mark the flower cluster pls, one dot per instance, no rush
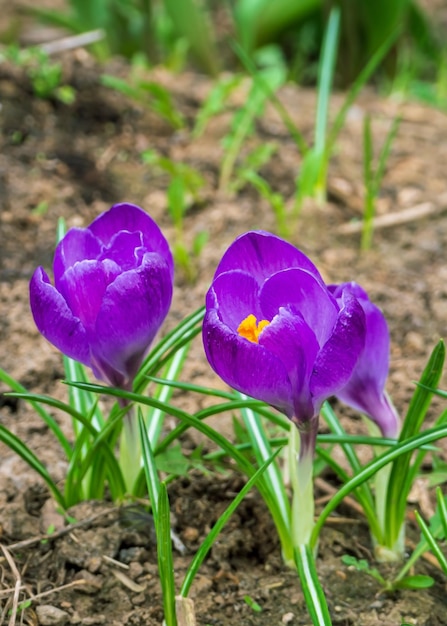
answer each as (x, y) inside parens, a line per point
(275, 331)
(112, 290)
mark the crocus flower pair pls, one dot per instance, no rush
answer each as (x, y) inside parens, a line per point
(274, 331)
(272, 328)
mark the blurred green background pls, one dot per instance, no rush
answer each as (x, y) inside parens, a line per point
(208, 35)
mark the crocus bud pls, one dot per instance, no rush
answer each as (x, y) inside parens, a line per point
(112, 290)
(365, 391)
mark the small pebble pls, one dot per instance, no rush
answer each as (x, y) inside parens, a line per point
(93, 564)
(91, 583)
(138, 599)
(49, 615)
(135, 570)
(287, 618)
(190, 534)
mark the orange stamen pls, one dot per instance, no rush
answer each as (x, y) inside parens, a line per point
(250, 328)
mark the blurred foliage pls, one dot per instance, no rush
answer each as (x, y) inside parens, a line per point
(204, 32)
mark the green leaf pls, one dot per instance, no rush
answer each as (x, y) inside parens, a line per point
(165, 560)
(431, 541)
(173, 461)
(401, 475)
(414, 443)
(311, 586)
(419, 581)
(34, 400)
(150, 468)
(218, 526)
(20, 448)
(191, 21)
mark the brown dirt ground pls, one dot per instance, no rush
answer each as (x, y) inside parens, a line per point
(80, 159)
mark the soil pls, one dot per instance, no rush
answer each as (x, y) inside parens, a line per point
(75, 161)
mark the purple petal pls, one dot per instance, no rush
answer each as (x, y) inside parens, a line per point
(261, 254)
(131, 218)
(83, 287)
(125, 249)
(132, 310)
(365, 390)
(235, 296)
(247, 367)
(301, 292)
(54, 319)
(373, 403)
(374, 362)
(79, 244)
(339, 356)
(294, 343)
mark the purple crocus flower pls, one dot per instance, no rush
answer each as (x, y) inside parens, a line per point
(112, 290)
(274, 331)
(365, 391)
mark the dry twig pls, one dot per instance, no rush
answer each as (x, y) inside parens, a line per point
(417, 212)
(17, 586)
(26, 543)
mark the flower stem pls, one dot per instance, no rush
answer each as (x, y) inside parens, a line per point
(301, 447)
(130, 450)
(312, 590)
(384, 553)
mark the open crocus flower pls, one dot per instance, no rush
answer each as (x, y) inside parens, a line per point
(365, 391)
(273, 331)
(112, 290)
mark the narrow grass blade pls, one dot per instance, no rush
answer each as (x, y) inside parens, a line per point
(100, 447)
(263, 451)
(243, 120)
(81, 401)
(312, 589)
(150, 469)
(442, 509)
(192, 421)
(154, 418)
(385, 153)
(368, 181)
(162, 352)
(165, 560)
(251, 68)
(325, 78)
(431, 541)
(363, 494)
(191, 21)
(199, 557)
(400, 475)
(438, 529)
(57, 404)
(34, 400)
(406, 447)
(262, 21)
(355, 89)
(20, 448)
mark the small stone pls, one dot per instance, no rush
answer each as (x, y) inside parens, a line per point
(49, 615)
(287, 618)
(135, 570)
(139, 599)
(91, 583)
(190, 534)
(138, 554)
(93, 564)
(378, 604)
(94, 621)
